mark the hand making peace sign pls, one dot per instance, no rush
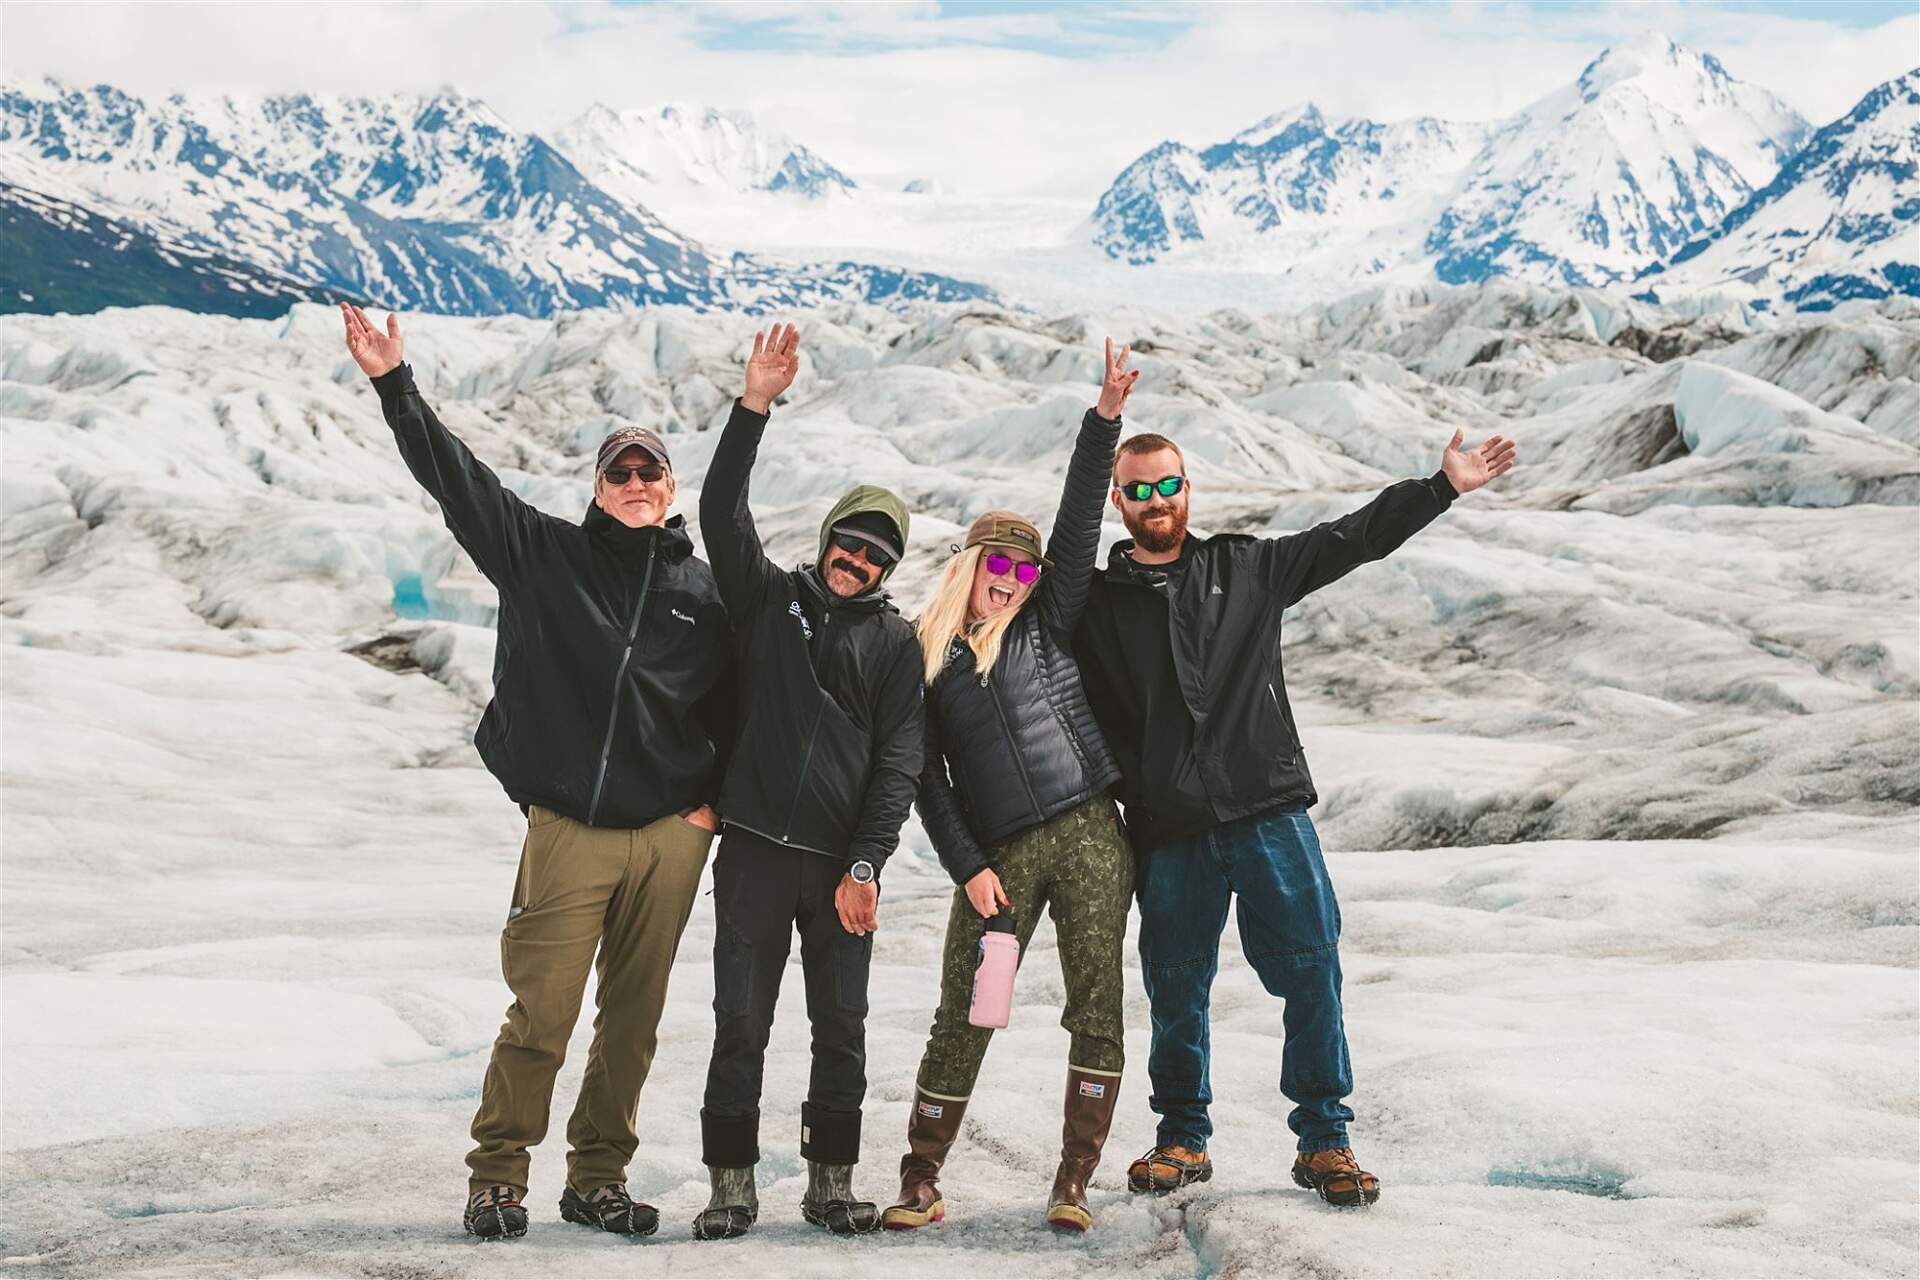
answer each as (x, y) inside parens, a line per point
(1118, 384)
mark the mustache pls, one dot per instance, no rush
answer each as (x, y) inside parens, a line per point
(862, 572)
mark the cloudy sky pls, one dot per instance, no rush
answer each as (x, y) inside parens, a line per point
(989, 98)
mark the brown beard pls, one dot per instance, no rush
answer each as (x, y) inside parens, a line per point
(1157, 539)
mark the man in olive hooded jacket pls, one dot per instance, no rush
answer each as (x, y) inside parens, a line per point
(819, 782)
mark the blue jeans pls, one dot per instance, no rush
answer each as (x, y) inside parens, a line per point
(1290, 931)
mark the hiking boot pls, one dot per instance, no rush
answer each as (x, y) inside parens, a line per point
(931, 1130)
(733, 1207)
(1336, 1176)
(610, 1209)
(1089, 1114)
(1168, 1168)
(495, 1213)
(829, 1201)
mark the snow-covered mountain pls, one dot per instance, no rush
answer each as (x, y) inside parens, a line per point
(674, 152)
(1292, 186)
(1653, 145)
(1842, 219)
(57, 256)
(433, 203)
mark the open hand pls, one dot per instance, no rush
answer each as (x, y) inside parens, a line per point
(858, 905)
(375, 352)
(1468, 470)
(987, 894)
(1118, 384)
(771, 367)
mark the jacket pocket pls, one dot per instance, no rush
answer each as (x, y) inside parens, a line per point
(1288, 747)
(833, 786)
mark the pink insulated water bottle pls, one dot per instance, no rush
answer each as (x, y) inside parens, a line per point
(993, 979)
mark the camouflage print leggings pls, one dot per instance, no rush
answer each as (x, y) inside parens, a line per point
(1081, 867)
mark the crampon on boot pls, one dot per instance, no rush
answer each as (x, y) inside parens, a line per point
(610, 1209)
(1336, 1177)
(733, 1207)
(1168, 1168)
(495, 1213)
(829, 1201)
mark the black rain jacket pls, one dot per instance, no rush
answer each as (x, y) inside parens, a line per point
(829, 689)
(611, 699)
(1182, 662)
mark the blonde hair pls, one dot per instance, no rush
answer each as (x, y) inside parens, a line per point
(946, 617)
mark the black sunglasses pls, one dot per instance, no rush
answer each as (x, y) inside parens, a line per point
(877, 556)
(648, 473)
(1141, 490)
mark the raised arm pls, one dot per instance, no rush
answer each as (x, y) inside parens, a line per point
(1302, 563)
(492, 524)
(740, 564)
(1074, 543)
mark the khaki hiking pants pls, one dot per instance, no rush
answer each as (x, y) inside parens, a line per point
(626, 894)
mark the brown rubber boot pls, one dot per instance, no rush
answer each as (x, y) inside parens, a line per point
(1090, 1099)
(931, 1130)
(1337, 1176)
(1168, 1168)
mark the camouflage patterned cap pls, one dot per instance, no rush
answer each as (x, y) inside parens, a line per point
(1007, 529)
(625, 438)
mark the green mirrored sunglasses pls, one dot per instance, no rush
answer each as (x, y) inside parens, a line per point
(1141, 490)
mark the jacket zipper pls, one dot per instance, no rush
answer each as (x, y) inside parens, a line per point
(813, 736)
(1014, 747)
(806, 758)
(1037, 639)
(619, 674)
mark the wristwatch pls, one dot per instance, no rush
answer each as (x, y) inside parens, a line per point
(862, 872)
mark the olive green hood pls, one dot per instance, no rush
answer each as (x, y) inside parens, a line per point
(859, 500)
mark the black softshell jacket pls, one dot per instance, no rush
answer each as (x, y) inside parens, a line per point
(829, 689)
(1182, 662)
(1010, 752)
(611, 691)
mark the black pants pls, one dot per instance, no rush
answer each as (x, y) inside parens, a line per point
(762, 892)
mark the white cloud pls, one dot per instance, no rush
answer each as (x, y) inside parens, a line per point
(1043, 103)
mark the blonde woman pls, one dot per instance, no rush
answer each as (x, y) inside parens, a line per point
(1014, 796)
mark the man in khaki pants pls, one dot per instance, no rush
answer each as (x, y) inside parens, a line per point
(609, 715)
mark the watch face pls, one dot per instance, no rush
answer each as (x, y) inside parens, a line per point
(862, 873)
